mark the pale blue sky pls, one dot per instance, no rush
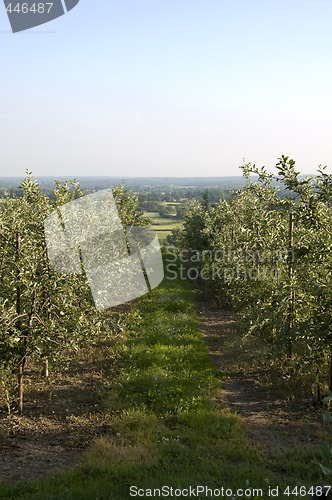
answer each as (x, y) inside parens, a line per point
(168, 87)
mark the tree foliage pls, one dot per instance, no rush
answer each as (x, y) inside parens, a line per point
(270, 257)
(43, 313)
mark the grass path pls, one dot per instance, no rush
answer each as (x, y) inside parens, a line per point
(164, 429)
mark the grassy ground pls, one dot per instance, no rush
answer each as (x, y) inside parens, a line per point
(164, 429)
(163, 225)
(162, 235)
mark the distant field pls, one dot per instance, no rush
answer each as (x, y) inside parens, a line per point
(162, 235)
(156, 220)
(166, 221)
(151, 215)
(165, 227)
(162, 225)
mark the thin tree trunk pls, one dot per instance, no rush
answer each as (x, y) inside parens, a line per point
(276, 271)
(46, 305)
(257, 252)
(290, 275)
(20, 387)
(330, 381)
(45, 371)
(19, 327)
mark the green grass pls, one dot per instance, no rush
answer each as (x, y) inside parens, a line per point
(157, 220)
(166, 222)
(162, 235)
(166, 227)
(165, 429)
(151, 215)
(163, 225)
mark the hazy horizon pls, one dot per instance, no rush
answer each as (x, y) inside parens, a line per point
(127, 176)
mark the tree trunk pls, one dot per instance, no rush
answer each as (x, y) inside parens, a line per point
(276, 271)
(19, 327)
(330, 381)
(45, 370)
(20, 387)
(290, 275)
(47, 305)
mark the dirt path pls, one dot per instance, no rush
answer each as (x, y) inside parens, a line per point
(271, 421)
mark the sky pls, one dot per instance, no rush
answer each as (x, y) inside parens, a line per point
(168, 88)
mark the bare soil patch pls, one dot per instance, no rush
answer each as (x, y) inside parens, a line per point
(61, 417)
(272, 420)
